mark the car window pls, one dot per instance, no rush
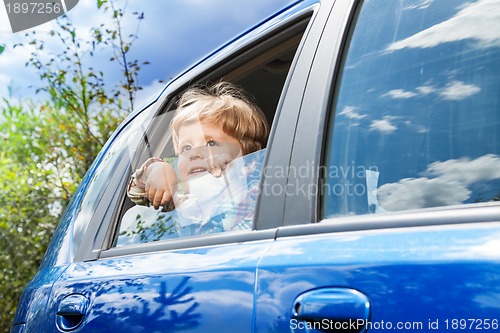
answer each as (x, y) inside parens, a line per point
(122, 150)
(415, 121)
(207, 182)
(211, 163)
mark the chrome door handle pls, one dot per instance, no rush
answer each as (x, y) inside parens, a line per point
(71, 312)
(343, 308)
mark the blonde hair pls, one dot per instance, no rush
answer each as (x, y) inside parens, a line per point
(226, 105)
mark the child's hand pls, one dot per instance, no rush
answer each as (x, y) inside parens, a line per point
(217, 164)
(160, 180)
(220, 156)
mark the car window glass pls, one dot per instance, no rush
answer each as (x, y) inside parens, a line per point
(205, 204)
(415, 120)
(214, 186)
(122, 150)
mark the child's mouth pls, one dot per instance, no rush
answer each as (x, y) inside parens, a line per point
(197, 171)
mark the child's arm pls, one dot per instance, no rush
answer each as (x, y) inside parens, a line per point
(160, 180)
(153, 183)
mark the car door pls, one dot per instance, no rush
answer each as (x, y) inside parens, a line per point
(199, 283)
(142, 281)
(208, 288)
(392, 219)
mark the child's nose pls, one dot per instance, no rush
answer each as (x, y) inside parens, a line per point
(198, 153)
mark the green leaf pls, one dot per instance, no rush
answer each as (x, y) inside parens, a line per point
(2, 48)
(100, 3)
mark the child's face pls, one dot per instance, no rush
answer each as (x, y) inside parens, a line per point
(205, 148)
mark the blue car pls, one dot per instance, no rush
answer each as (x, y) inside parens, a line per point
(379, 190)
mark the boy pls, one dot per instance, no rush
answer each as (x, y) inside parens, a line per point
(216, 186)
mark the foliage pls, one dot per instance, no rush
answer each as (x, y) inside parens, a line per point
(121, 46)
(144, 231)
(26, 200)
(47, 147)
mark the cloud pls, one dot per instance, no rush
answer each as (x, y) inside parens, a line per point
(350, 112)
(422, 5)
(4, 21)
(453, 91)
(383, 125)
(16, 79)
(416, 128)
(486, 247)
(467, 171)
(479, 21)
(449, 185)
(412, 193)
(425, 90)
(399, 94)
(5, 81)
(456, 91)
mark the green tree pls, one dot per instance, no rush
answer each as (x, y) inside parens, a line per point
(46, 147)
(26, 201)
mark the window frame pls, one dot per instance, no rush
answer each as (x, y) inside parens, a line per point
(302, 213)
(99, 235)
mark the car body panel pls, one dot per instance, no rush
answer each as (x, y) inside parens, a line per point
(180, 290)
(415, 276)
(31, 311)
(436, 269)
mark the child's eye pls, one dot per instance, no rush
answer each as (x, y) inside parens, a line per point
(185, 148)
(211, 143)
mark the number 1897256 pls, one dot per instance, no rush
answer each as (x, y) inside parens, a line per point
(33, 8)
(471, 324)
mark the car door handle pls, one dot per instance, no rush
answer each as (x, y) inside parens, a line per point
(339, 309)
(71, 312)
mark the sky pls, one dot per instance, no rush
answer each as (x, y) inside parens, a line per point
(173, 35)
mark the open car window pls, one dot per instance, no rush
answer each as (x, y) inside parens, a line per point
(210, 201)
(211, 205)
